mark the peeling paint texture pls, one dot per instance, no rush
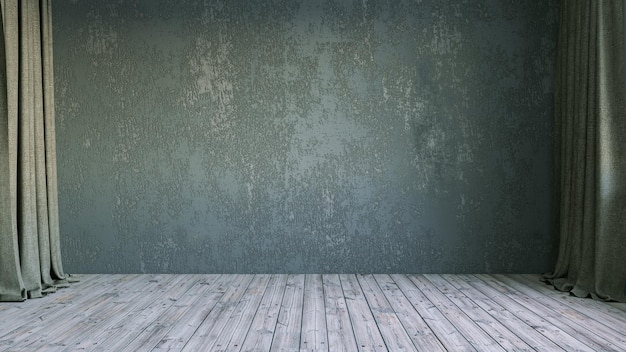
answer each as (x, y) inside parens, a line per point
(305, 136)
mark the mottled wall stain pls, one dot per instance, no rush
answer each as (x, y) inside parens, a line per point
(305, 136)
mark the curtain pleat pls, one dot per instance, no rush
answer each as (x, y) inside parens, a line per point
(590, 163)
(56, 265)
(30, 256)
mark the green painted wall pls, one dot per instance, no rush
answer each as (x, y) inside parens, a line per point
(305, 136)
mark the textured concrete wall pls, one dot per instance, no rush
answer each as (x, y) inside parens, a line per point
(305, 136)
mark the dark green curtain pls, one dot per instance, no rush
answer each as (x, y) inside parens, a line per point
(590, 150)
(30, 255)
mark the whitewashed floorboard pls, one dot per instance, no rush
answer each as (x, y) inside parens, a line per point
(418, 330)
(314, 336)
(289, 324)
(474, 333)
(364, 325)
(531, 334)
(261, 332)
(539, 316)
(329, 312)
(394, 335)
(506, 338)
(450, 337)
(340, 332)
(589, 325)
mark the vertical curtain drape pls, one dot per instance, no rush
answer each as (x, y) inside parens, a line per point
(30, 255)
(590, 150)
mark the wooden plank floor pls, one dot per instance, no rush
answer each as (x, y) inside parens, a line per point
(311, 313)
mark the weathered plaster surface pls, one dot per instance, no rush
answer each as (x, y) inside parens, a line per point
(305, 136)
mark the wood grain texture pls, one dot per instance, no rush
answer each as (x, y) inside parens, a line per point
(279, 312)
(340, 331)
(289, 324)
(418, 330)
(494, 328)
(364, 326)
(529, 333)
(536, 315)
(314, 335)
(393, 333)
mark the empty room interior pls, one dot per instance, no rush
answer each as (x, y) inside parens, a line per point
(324, 175)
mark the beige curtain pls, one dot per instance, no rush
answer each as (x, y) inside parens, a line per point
(590, 150)
(30, 256)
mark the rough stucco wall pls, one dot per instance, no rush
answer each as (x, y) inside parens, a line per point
(305, 136)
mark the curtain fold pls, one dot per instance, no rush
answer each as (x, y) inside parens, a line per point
(30, 255)
(590, 153)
